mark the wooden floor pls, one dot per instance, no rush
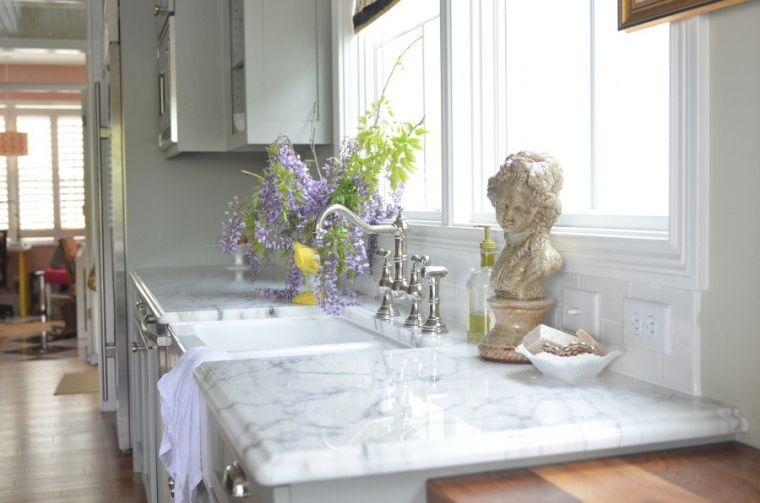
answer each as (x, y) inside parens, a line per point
(58, 448)
(723, 473)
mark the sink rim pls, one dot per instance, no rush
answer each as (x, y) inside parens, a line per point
(186, 333)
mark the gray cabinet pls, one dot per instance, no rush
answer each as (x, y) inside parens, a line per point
(224, 477)
(150, 357)
(144, 401)
(190, 79)
(235, 74)
(279, 71)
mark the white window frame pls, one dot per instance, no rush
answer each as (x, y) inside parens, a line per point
(676, 257)
(12, 111)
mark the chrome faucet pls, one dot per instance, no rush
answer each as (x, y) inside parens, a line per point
(434, 323)
(414, 291)
(387, 310)
(399, 228)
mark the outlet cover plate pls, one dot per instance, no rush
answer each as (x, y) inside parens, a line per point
(646, 325)
(580, 309)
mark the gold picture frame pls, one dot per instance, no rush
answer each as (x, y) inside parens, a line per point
(637, 14)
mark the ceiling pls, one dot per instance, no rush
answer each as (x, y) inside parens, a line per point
(43, 31)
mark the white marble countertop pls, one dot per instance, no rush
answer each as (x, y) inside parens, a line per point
(331, 416)
(205, 292)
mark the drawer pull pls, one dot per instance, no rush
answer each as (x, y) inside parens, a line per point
(234, 481)
(148, 319)
(140, 306)
(161, 11)
(137, 346)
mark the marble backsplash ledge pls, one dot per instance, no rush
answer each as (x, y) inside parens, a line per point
(678, 369)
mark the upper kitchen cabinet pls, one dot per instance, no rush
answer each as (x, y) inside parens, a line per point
(190, 77)
(279, 72)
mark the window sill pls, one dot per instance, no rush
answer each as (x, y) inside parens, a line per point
(644, 256)
(35, 241)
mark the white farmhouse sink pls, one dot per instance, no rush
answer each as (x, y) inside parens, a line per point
(257, 338)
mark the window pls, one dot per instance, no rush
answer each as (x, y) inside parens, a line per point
(414, 91)
(45, 187)
(624, 113)
(4, 206)
(551, 76)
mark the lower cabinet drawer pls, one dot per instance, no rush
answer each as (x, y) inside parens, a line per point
(223, 474)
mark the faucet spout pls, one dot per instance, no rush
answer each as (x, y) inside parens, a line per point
(399, 229)
(339, 209)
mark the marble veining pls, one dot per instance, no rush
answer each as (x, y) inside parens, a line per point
(331, 416)
(203, 293)
(435, 404)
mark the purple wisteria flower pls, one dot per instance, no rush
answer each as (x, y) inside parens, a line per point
(330, 298)
(233, 226)
(285, 205)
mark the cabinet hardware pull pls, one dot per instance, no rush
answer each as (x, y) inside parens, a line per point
(161, 95)
(234, 481)
(137, 346)
(161, 11)
(148, 319)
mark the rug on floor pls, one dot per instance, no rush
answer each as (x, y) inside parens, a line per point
(78, 382)
(12, 330)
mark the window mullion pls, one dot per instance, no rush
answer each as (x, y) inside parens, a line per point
(592, 105)
(447, 136)
(14, 222)
(56, 176)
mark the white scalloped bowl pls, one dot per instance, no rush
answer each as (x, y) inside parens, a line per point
(571, 369)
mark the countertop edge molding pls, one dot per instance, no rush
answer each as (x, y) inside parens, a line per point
(529, 445)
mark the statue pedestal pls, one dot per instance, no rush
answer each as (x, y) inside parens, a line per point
(514, 318)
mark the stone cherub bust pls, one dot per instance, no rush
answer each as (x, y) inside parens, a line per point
(525, 195)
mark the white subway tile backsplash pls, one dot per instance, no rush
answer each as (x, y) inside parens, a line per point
(645, 291)
(552, 317)
(612, 292)
(450, 306)
(639, 363)
(612, 333)
(553, 288)
(677, 372)
(555, 283)
(683, 318)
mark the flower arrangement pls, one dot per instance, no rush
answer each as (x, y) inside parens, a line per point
(289, 196)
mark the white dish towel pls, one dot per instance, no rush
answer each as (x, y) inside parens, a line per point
(181, 409)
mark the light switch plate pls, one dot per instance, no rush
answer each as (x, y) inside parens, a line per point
(646, 325)
(580, 309)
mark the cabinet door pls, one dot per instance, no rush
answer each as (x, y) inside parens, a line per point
(163, 485)
(135, 400)
(288, 70)
(150, 442)
(218, 457)
(193, 44)
(163, 88)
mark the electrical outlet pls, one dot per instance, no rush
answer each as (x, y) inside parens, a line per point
(646, 325)
(580, 309)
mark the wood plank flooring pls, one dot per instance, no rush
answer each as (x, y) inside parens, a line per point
(58, 448)
(722, 473)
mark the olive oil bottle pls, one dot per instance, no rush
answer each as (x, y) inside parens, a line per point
(479, 315)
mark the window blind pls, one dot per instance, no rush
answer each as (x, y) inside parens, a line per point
(35, 175)
(4, 194)
(70, 172)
